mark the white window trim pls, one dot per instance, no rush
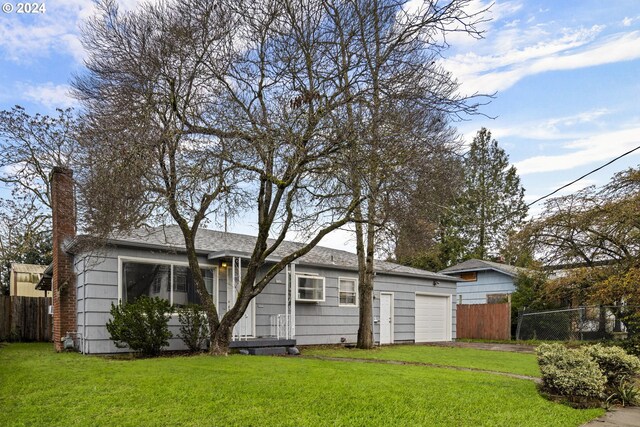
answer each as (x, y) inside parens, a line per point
(351, 279)
(311, 276)
(141, 260)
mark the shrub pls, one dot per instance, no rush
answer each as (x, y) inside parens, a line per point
(141, 325)
(614, 362)
(193, 326)
(570, 373)
(632, 345)
(625, 393)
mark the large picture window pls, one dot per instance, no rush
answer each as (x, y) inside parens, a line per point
(174, 283)
(138, 279)
(348, 291)
(310, 288)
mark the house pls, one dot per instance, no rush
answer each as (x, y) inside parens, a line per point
(23, 279)
(314, 300)
(482, 282)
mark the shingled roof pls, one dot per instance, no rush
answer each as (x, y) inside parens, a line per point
(480, 265)
(217, 243)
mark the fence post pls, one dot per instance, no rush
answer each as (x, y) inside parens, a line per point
(520, 314)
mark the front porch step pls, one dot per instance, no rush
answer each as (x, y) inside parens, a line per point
(267, 351)
(262, 342)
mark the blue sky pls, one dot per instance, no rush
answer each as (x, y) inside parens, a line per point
(566, 76)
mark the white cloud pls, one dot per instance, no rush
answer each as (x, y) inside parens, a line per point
(626, 22)
(49, 95)
(491, 73)
(517, 46)
(594, 149)
(570, 127)
(26, 38)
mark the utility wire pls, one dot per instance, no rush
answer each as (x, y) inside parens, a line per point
(564, 186)
(583, 176)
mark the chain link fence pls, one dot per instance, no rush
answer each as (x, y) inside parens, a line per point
(571, 324)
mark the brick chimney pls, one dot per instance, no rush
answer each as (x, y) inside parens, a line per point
(63, 286)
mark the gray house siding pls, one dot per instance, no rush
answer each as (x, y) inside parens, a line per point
(97, 289)
(404, 291)
(323, 322)
(326, 322)
(489, 282)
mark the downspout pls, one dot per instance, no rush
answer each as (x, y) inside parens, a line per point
(84, 305)
(294, 283)
(286, 302)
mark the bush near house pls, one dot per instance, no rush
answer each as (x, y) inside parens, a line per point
(193, 326)
(142, 325)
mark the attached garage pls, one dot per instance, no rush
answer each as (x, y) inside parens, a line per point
(432, 318)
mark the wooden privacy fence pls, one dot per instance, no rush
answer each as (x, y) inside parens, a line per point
(25, 318)
(483, 321)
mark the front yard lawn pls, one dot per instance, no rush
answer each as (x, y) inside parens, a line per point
(40, 387)
(500, 361)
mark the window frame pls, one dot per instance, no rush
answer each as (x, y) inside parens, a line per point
(355, 290)
(311, 276)
(171, 264)
(474, 275)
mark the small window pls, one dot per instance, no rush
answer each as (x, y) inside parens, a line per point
(497, 298)
(469, 276)
(348, 292)
(310, 288)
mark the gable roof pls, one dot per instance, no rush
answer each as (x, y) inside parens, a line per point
(218, 244)
(481, 265)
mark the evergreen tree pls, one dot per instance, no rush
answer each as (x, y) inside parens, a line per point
(492, 201)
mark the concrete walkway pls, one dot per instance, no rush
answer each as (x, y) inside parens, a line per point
(432, 365)
(620, 417)
(516, 348)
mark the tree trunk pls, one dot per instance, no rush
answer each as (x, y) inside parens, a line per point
(365, 290)
(365, 331)
(221, 338)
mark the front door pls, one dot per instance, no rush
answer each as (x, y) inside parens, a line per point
(386, 318)
(245, 326)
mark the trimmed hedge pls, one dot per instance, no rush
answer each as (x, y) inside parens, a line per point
(616, 365)
(570, 373)
(589, 374)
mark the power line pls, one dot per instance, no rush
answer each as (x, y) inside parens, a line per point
(583, 176)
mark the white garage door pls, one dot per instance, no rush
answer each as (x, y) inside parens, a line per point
(433, 321)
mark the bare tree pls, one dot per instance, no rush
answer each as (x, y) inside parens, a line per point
(389, 49)
(30, 146)
(194, 106)
(590, 227)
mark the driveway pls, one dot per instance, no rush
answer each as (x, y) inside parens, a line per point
(516, 348)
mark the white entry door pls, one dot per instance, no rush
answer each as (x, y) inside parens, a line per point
(386, 318)
(245, 326)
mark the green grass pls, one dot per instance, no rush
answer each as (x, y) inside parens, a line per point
(40, 387)
(500, 361)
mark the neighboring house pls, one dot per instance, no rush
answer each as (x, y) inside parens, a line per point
(481, 282)
(24, 278)
(313, 301)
